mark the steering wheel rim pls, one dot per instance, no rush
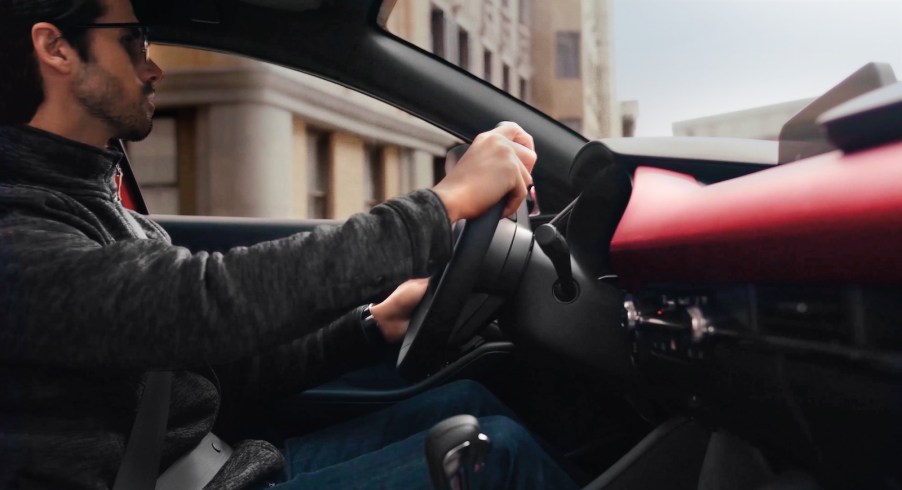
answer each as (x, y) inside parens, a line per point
(433, 320)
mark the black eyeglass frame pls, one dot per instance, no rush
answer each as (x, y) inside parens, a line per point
(144, 29)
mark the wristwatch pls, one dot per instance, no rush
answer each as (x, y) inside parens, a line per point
(371, 326)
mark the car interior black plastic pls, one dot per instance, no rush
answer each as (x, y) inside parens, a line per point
(866, 121)
(220, 234)
(801, 137)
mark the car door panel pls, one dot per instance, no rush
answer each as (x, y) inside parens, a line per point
(219, 234)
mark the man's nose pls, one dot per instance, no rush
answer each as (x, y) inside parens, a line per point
(152, 72)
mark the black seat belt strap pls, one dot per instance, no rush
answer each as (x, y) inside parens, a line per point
(141, 463)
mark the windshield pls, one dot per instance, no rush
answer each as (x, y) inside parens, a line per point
(610, 68)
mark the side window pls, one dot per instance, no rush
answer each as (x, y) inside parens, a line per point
(238, 137)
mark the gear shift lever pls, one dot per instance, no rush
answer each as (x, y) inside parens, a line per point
(455, 450)
(555, 247)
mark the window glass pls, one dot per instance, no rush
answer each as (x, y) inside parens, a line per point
(374, 175)
(438, 32)
(318, 173)
(567, 55)
(506, 78)
(463, 49)
(524, 14)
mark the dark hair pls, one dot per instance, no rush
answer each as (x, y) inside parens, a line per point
(21, 88)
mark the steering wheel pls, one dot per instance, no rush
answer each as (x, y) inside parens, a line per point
(433, 320)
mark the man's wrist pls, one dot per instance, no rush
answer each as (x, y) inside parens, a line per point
(371, 327)
(447, 200)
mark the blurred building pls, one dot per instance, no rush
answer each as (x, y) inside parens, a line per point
(490, 38)
(762, 123)
(555, 55)
(237, 137)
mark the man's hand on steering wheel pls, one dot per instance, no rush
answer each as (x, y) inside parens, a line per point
(393, 315)
(490, 180)
(496, 166)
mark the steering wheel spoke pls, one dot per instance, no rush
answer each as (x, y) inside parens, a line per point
(433, 321)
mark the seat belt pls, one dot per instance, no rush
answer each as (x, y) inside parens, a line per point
(144, 449)
(141, 462)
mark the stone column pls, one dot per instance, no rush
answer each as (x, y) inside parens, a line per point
(250, 161)
(422, 174)
(347, 192)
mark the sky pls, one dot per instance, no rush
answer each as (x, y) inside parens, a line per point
(683, 59)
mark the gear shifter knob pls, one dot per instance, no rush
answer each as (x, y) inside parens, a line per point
(455, 449)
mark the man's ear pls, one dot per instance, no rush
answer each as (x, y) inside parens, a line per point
(51, 49)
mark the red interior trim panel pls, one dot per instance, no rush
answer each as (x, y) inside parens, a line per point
(832, 218)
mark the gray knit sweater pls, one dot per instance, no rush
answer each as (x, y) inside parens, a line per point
(87, 308)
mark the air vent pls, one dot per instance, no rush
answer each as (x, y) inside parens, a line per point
(809, 313)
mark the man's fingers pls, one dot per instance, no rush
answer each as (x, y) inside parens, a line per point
(526, 156)
(526, 176)
(516, 196)
(524, 149)
(515, 133)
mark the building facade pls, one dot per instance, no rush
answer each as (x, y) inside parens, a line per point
(237, 137)
(555, 55)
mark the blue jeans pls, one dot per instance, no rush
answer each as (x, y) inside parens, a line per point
(385, 449)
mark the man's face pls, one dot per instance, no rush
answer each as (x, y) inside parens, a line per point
(116, 82)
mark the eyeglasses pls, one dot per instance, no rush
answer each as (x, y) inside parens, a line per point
(136, 42)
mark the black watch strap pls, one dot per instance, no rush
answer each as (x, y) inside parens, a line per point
(371, 327)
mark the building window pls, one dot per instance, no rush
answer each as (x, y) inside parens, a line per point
(319, 170)
(524, 89)
(438, 169)
(163, 164)
(374, 175)
(628, 127)
(438, 32)
(463, 49)
(487, 66)
(568, 55)
(525, 13)
(506, 78)
(574, 124)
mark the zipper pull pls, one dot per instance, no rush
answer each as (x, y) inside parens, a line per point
(117, 180)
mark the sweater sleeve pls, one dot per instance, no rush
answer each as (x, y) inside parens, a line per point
(67, 300)
(303, 363)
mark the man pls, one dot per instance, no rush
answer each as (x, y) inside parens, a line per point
(93, 296)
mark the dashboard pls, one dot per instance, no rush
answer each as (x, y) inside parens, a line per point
(764, 302)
